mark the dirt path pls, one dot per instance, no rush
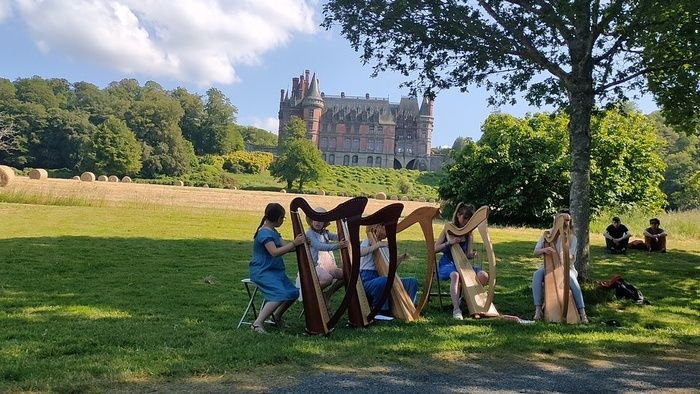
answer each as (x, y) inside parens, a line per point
(111, 194)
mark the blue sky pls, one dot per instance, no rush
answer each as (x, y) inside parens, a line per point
(249, 49)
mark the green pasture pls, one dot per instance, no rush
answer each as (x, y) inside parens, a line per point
(95, 297)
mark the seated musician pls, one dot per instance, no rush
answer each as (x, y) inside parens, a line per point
(538, 276)
(655, 237)
(323, 243)
(373, 283)
(447, 268)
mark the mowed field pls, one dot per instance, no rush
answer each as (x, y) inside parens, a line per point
(68, 192)
(132, 287)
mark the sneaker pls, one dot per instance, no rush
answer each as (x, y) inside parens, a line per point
(258, 329)
(538, 314)
(457, 315)
(583, 319)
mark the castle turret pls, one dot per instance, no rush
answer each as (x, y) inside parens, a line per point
(425, 127)
(313, 108)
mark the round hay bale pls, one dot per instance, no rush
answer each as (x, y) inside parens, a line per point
(321, 192)
(179, 183)
(380, 196)
(422, 199)
(205, 186)
(126, 179)
(282, 191)
(76, 178)
(405, 198)
(113, 178)
(38, 173)
(234, 188)
(7, 175)
(87, 176)
(393, 197)
(102, 178)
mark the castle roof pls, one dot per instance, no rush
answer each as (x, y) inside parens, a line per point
(313, 96)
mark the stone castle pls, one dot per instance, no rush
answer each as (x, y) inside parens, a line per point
(361, 131)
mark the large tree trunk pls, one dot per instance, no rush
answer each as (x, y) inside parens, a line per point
(581, 98)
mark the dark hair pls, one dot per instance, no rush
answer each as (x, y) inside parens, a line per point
(616, 219)
(564, 210)
(466, 209)
(655, 221)
(273, 213)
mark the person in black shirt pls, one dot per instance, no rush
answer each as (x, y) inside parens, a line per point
(616, 236)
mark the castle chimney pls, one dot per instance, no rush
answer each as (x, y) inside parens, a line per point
(295, 87)
(367, 96)
(342, 94)
(281, 95)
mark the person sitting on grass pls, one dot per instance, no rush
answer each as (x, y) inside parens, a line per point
(655, 237)
(374, 283)
(616, 237)
(267, 268)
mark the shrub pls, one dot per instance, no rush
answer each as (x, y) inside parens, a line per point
(242, 162)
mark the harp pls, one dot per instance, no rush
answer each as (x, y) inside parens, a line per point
(402, 306)
(479, 300)
(358, 306)
(558, 305)
(387, 216)
(318, 319)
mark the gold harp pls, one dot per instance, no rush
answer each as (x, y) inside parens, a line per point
(559, 305)
(402, 306)
(479, 301)
(318, 320)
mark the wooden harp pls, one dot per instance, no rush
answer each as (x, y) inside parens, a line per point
(402, 306)
(358, 306)
(559, 305)
(318, 320)
(387, 216)
(479, 301)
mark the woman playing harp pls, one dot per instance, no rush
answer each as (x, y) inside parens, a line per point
(551, 247)
(446, 266)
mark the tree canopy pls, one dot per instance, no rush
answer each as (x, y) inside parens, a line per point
(570, 54)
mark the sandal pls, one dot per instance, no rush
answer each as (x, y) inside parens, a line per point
(259, 329)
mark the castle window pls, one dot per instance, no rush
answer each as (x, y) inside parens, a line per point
(324, 142)
(370, 160)
(399, 149)
(354, 159)
(356, 144)
(331, 159)
(310, 125)
(379, 146)
(378, 161)
(346, 160)
(370, 145)
(371, 128)
(409, 150)
(347, 143)
(331, 142)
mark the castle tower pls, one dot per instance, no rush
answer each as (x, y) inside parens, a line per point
(313, 108)
(425, 127)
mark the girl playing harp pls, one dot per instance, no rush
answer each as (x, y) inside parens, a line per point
(538, 276)
(446, 266)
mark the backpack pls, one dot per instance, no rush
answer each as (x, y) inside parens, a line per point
(624, 290)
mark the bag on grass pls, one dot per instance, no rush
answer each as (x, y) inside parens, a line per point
(624, 290)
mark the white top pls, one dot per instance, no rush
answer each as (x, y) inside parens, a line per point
(367, 261)
(572, 250)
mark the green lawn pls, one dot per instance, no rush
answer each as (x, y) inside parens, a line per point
(93, 297)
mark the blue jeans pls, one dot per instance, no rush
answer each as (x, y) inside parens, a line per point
(374, 286)
(538, 286)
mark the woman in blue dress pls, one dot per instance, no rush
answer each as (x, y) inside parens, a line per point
(446, 265)
(267, 267)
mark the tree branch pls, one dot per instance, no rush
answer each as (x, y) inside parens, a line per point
(530, 51)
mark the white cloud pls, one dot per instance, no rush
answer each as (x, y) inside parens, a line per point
(199, 41)
(270, 124)
(5, 9)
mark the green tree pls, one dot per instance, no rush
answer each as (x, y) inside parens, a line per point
(566, 53)
(300, 161)
(63, 142)
(36, 90)
(154, 118)
(219, 132)
(193, 117)
(90, 99)
(626, 167)
(115, 149)
(294, 130)
(257, 137)
(519, 167)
